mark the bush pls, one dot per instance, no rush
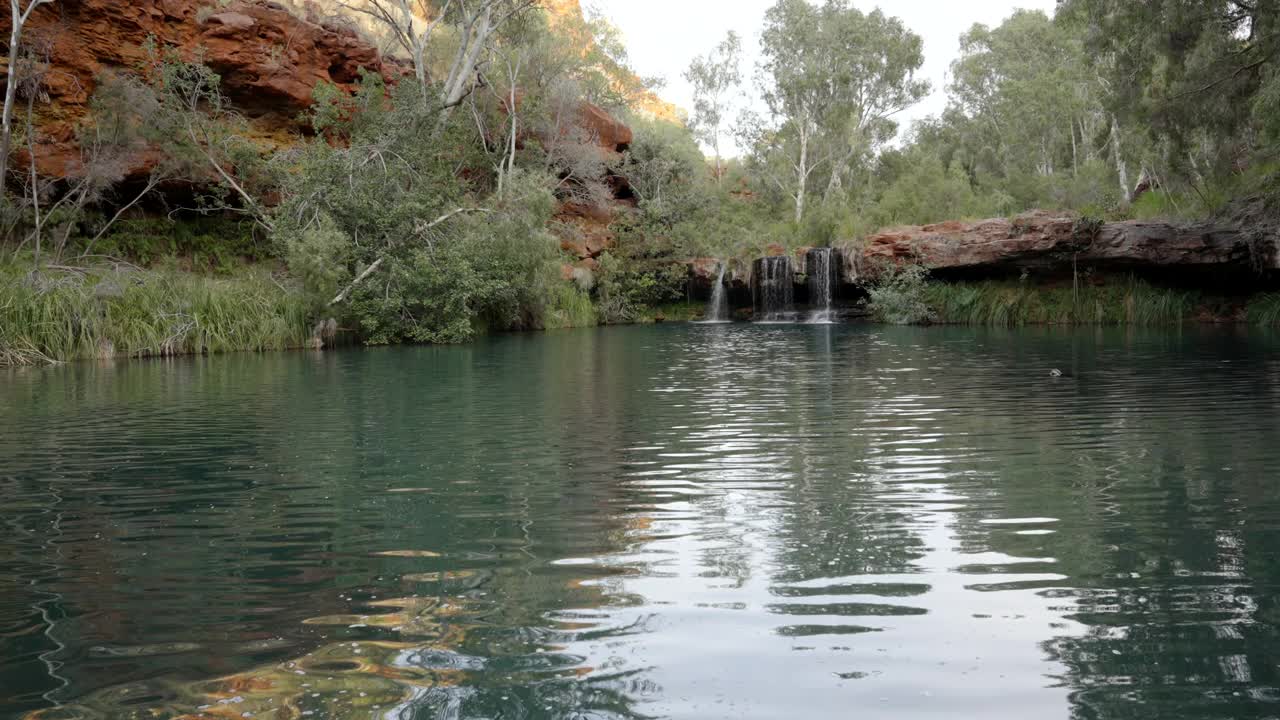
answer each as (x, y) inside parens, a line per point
(446, 266)
(898, 296)
(209, 243)
(628, 288)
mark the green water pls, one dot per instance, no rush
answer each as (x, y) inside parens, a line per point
(667, 522)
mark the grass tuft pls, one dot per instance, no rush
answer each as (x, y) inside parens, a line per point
(60, 315)
(1264, 309)
(570, 307)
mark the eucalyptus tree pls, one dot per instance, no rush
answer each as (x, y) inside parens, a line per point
(714, 76)
(795, 84)
(1201, 77)
(874, 61)
(414, 25)
(831, 78)
(1027, 86)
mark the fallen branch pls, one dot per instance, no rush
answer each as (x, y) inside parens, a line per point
(346, 292)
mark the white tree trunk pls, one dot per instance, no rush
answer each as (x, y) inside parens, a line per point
(719, 167)
(1075, 160)
(17, 18)
(802, 173)
(1122, 169)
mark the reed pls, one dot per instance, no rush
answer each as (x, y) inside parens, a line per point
(1264, 309)
(72, 314)
(569, 307)
(1010, 304)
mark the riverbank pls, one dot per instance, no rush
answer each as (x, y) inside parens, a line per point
(66, 313)
(116, 309)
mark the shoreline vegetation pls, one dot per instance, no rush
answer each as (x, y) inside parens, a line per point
(115, 309)
(162, 194)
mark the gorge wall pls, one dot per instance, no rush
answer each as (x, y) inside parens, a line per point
(1244, 243)
(270, 60)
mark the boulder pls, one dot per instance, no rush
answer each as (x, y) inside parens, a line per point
(608, 132)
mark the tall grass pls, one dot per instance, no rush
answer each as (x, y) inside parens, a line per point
(62, 315)
(1008, 304)
(1264, 309)
(569, 307)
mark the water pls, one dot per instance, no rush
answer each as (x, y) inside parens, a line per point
(822, 271)
(697, 521)
(718, 308)
(773, 289)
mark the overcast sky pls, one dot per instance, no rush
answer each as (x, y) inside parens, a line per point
(664, 35)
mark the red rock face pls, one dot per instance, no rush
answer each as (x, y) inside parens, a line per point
(1041, 240)
(609, 133)
(270, 60)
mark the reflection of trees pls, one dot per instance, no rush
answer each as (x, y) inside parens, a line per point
(476, 521)
(1163, 508)
(225, 502)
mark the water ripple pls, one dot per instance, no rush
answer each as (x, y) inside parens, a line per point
(683, 522)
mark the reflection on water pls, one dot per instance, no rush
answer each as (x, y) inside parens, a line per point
(681, 521)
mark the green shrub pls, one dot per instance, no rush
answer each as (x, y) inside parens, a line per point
(898, 296)
(628, 288)
(1264, 309)
(220, 244)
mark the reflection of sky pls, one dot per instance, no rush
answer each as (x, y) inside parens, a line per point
(683, 521)
(729, 630)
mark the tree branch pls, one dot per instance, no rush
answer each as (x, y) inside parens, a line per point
(342, 296)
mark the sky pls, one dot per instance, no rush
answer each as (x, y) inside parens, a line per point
(663, 36)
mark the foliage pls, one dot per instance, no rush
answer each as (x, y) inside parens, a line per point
(569, 307)
(713, 77)
(1264, 309)
(628, 286)
(1199, 75)
(392, 199)
(831, 78)
(208, 242)
(898, 296)
(925, 191)
(1006, 304)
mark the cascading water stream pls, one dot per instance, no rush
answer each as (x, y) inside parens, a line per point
(773, 289)
(822, 281)
(718, 308)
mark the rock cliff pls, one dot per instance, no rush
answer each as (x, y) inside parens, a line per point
(1049, 241)
(269, 59)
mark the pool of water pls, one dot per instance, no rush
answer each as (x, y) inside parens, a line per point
(689, 521)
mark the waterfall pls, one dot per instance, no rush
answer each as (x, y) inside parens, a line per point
(718, 308)
(823, 276)
(772, 289)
